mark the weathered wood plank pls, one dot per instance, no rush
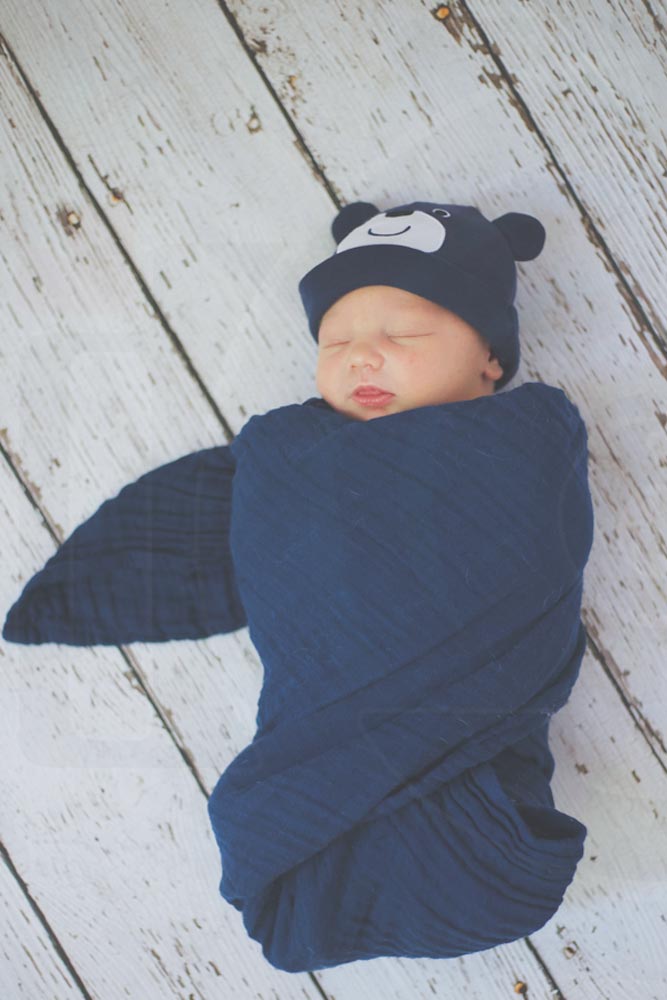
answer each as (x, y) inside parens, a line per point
(190, 159)
(594, 80)
(613, 920)
(30, 965)
(381, 98)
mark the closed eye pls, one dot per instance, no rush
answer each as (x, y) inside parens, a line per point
(398, 336)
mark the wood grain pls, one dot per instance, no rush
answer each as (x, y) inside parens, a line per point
(203, 150)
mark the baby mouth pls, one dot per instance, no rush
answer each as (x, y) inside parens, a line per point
(371, 390)
(372, 397)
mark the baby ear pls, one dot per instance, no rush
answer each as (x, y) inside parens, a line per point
(351, 216)
(525, 234)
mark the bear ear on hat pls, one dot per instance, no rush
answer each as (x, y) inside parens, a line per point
(351, 216)
(525, 234)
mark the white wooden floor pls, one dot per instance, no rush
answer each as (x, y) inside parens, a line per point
(169, 170)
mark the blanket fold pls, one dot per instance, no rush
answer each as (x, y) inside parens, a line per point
(413, 585)
(151, 564)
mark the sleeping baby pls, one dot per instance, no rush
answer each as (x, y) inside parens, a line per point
(391, 342)
(407, 551)
(382, 349)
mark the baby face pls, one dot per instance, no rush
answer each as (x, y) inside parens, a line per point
(413, 348)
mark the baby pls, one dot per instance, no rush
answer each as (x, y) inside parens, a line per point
(415, 306)
(407, 552)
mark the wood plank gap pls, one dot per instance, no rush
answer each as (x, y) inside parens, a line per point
(300, 143)
(642, 724)
(554, 989)
(62, 954)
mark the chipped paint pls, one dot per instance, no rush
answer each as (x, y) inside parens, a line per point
(253, 124)
(69, 220)
(15, 460)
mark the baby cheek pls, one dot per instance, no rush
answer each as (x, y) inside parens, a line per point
(330, 365)
(323, 374)
(414, 360)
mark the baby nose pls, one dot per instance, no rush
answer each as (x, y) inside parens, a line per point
(364, 353)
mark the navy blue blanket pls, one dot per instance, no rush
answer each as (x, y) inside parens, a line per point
(412, 584)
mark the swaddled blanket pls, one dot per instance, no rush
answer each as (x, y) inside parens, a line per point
(412, 584)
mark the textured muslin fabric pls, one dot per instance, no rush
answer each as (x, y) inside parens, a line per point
(412, 584)
(151, 564)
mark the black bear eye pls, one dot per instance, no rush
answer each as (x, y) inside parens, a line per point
(442, 211)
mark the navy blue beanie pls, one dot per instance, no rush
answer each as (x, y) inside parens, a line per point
(449, 254)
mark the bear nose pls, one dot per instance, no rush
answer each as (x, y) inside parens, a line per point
(393, 212)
